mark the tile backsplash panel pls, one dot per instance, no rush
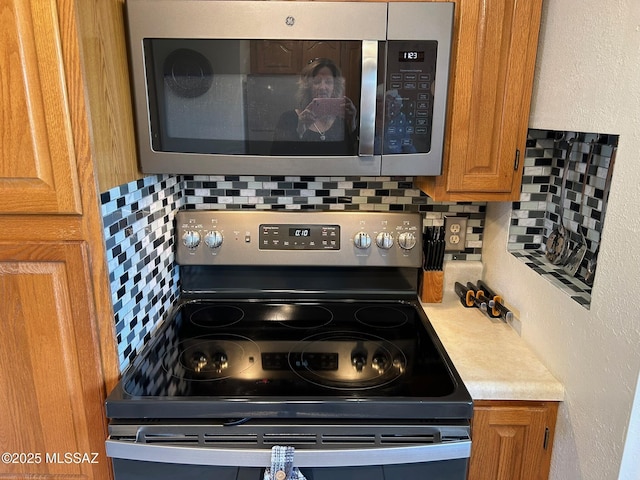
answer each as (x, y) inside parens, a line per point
(138, 228)
(543, 204)
(138, 225)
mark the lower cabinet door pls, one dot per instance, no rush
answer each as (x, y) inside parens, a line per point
(512, 440)
(52, 422)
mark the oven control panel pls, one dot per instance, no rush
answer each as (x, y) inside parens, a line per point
(299, 237)
(340, 238)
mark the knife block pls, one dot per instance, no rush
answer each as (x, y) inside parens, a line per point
(431, 287)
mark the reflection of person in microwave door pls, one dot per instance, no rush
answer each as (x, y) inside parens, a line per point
(324, 121)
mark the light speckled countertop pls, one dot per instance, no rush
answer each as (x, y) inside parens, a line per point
(492, 359)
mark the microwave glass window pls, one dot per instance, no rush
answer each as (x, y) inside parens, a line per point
(254, 97)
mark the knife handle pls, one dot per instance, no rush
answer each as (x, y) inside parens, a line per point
(492, 311)
(466, 296)
(505, 313)
(497, 303)
(486, 302)
(481, 300)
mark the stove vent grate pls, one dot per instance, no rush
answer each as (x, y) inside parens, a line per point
(292, 439)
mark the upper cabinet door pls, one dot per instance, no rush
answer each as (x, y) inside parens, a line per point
(495, 44)
(494, 50)
(37, 166)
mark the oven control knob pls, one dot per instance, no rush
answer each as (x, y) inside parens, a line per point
(362, 240)
(191, 239)
(359, 361)
(384, 240)
(219, 361)
(380, 362)
(407, 240)
(213, 239)
(400, 364)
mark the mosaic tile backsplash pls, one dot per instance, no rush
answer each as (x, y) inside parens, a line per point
(589, 160)
(138, 229)
(138, 224)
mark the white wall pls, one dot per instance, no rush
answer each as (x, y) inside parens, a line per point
(587, 79)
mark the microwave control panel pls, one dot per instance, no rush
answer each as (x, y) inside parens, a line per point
(411, 71)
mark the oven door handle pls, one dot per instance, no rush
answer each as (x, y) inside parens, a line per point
(233, 457)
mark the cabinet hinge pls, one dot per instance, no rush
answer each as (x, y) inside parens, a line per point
(516, 162)
(545, 444)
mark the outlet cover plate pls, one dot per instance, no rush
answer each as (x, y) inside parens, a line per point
(455, 233)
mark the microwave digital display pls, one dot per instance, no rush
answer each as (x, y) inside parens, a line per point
(411, 56)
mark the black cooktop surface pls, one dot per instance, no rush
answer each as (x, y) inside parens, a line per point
(291, 358)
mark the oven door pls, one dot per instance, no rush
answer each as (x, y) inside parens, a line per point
(345, 452)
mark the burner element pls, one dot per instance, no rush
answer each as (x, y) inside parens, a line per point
(381, 317)
(296, 315)
(217, 316)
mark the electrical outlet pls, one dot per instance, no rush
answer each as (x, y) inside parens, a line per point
(455, 233)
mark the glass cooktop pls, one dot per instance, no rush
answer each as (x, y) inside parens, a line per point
(306, 355)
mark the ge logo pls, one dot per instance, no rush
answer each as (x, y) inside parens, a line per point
(290, 21)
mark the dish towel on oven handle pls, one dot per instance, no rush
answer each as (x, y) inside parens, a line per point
(282, 465)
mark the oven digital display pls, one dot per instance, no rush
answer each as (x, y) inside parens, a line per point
(299, 232)
(299, 237)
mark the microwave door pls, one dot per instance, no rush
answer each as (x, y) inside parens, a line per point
(242, 120)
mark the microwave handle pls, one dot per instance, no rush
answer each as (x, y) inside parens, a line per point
(368, 92)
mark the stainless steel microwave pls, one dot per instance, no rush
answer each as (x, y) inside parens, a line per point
(290, 87)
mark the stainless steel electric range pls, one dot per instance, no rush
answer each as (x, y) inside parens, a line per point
(300, 330)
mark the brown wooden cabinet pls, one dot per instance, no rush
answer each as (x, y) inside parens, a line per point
(494, 52)
(57, 349)
(512, 440)
(37, 173)
(51, 381)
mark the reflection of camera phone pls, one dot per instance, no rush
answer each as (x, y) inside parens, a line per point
(322, 107)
